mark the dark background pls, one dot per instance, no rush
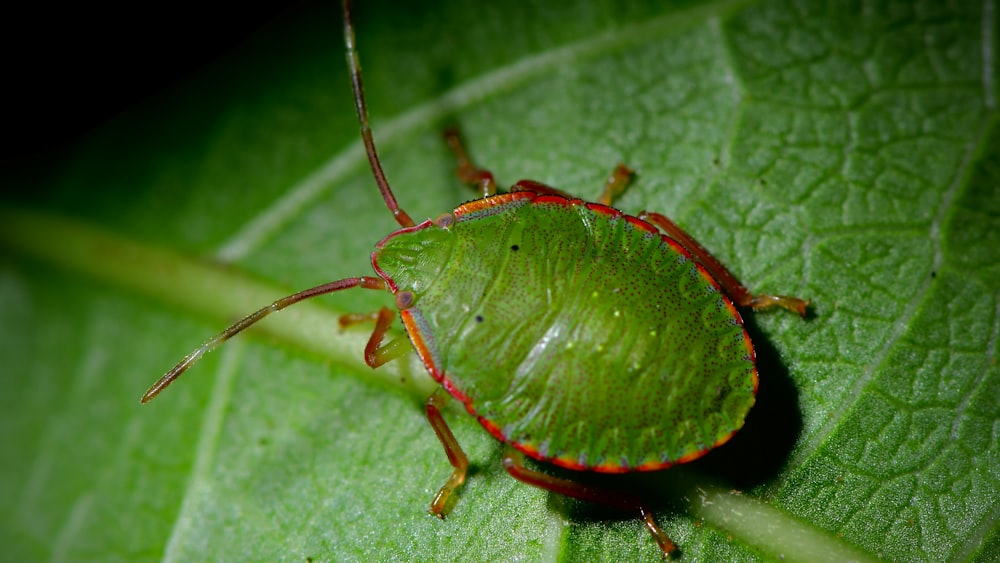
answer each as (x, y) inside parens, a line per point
(69, 67)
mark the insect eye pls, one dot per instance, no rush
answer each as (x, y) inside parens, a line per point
(445, 220)
(404, 299)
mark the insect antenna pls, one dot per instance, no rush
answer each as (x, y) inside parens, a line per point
(366, 132)
(249, 320)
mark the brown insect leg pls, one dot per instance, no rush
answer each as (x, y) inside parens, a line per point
(737, 291)
(351, 319)
(466, 170)
(538, 188)
(482, 179)
(440, 506)
(615, 184)
(377, 354)
(513, 462)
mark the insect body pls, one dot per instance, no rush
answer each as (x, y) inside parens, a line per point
(618, 352)
(576, 334)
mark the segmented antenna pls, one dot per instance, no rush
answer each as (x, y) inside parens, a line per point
(366, 282)
(366, 131)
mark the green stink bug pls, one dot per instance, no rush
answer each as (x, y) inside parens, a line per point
(576, 334)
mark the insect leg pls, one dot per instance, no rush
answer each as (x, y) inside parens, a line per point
(377, 354)
(538, 188)
(513, 462)
(466, 170)
(440, 506)
(615, 184)
(351, 319)
(737, 291)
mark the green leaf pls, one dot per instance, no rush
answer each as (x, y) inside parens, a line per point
(849, 154)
